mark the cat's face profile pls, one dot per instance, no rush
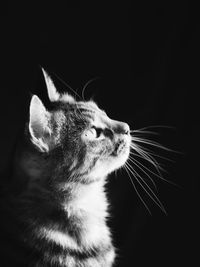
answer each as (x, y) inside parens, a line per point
(88, 142)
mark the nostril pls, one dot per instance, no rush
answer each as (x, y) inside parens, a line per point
(122, 128)
(125, 128)
(126, 132)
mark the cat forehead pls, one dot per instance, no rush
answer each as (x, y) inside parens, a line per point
(93, 114)
(87, 110)
(89, 107)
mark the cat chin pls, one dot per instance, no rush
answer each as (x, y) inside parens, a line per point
(117, 162)
(105, 167)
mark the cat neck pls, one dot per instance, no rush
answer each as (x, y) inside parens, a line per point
(75, 195)
(85, 198)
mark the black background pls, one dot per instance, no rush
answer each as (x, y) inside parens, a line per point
(144, 59)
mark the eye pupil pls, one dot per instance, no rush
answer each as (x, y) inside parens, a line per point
(106, 132)
(98, 131)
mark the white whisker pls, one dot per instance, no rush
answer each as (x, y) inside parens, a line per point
(151, 143)
(151, 154)
(159, 175)
(143, 132)
(151, 194)
(142, 157)
(142, 147)
(67, 85)
(148, 157)
(156, 126)
(86, 85)
(137, 164)
(127, 170)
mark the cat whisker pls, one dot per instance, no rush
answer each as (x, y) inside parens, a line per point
(67, 85)
(137, 165)
(167, 159)
(85, 86)
(147, 158)
(143, 132)
(157, 126)
(158, 156)
(150, 193)
(155, 174)
(145, 155)
(151, 154)
(137, 192)
(131, 158)
(151, 143)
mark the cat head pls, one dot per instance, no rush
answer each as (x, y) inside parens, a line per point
(84, 141)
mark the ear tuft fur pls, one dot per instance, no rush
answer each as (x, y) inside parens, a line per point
(51, 89)
(53, 93)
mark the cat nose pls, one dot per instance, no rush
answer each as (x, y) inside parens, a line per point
(122, 128)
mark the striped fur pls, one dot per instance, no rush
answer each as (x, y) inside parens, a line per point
(61, 168)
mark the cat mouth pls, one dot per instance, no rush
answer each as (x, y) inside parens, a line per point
(120, 148)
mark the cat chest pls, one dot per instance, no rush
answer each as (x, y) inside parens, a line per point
(90, 244)
(77, 233)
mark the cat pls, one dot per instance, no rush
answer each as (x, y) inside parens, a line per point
(57, 213)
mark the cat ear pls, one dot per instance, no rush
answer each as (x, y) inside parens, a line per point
(51, 89)
(39, 124)
(53, 93)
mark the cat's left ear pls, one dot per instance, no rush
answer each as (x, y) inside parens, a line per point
(53, 94)
(51, 89)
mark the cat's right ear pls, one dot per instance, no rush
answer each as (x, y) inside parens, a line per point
(39, 124)
(51, 89)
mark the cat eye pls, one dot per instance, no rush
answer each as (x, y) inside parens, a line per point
(94, 133)
(97, 131)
